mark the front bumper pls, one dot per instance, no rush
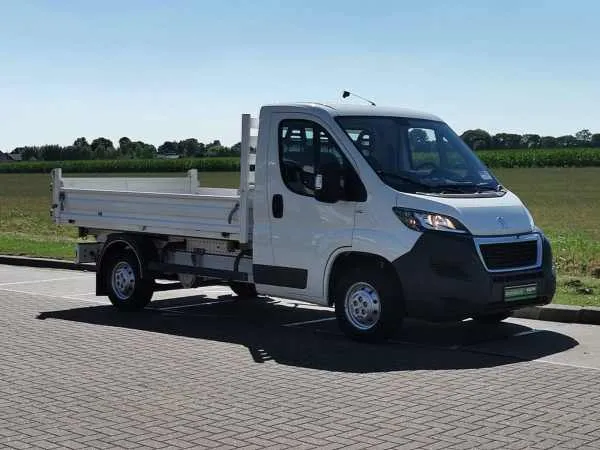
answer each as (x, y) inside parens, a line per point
(443, 278)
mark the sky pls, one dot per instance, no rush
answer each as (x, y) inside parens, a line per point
(157, 70)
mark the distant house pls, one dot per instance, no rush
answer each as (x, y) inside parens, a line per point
(168, 156)
(10, 157)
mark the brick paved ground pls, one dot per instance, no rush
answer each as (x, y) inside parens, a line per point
(80, 375)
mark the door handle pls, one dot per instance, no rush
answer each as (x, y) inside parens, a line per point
(277, 206)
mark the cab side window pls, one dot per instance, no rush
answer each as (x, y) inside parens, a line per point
(297, 155)
(305, 146)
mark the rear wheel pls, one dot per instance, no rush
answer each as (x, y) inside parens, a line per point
(243, 290)
(127, 289)
(368, 304)
(491, 318)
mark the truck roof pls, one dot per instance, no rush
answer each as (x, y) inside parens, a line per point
(353, 110)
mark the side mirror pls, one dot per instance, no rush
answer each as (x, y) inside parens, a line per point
(328, 185)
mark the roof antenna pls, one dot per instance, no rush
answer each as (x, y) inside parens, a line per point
(347, 94)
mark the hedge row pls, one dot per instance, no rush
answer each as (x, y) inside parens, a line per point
(574, 157)
(214, 164)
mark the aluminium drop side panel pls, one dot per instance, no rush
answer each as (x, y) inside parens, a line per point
(190, 215)
(172, 185)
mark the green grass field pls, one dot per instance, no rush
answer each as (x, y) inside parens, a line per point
(565, 203)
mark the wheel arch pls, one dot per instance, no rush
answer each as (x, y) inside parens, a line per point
(142, 248)
(348, 259)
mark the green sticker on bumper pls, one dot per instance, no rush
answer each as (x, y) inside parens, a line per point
(516, 293)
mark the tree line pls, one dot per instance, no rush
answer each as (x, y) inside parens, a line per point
(479, 139)
(103, 148)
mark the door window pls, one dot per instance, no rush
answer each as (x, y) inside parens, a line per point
(303, 147)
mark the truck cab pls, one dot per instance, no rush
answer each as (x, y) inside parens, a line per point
(381, 213)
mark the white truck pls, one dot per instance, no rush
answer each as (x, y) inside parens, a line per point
(382, 213)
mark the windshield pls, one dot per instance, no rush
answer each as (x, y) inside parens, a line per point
(415, 155)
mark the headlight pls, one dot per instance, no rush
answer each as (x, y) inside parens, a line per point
(531, 221)
(423, 220)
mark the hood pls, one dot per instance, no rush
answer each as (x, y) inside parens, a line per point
(483, 216)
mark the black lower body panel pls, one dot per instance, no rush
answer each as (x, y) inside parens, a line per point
(280, 276)
(443, 278)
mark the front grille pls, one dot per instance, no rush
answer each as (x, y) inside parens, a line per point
(533, 275)
(509, 255)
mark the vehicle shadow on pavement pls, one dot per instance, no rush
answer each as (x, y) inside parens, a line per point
(275, 331)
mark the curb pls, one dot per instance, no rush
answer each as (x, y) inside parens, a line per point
(561, 313)
(552, 313)
(24, 261)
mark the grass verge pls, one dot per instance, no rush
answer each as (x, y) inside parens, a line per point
(23, 245)
(580, 291)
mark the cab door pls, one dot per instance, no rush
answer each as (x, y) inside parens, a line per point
(304, 231)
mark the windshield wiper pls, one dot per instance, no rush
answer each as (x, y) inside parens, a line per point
(457, 187)
(452, 188)
(478, 187)
(487, 187)
(404, 178)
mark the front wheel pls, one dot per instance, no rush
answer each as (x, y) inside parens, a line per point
(368, 304)
(127, 289)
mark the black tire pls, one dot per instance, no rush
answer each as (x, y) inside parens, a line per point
(378, 289)
(120, 270)
(491, 318)
(243, 290)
